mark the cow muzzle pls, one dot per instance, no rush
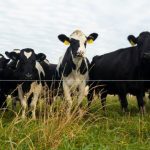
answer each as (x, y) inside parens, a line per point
(80, 54)
(28, 76)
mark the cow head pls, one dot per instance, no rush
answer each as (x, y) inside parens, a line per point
(28, 64)
(3, 62)
(143, 44)
(77, 42)
(12, 64)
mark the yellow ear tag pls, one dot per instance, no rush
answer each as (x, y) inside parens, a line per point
(90, 41)
(132, 43)
(66, 42)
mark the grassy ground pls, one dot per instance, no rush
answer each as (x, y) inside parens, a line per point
(92, 131)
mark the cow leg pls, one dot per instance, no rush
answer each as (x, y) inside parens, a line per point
(33, 105)
(68, 98)
(124, 102)
(141, 103)
(103, 100)
(23, 101)
(36, 93)
(82, 89)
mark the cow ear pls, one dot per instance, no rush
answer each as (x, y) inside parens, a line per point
(132, 39)
(7, 54)
(91, 38)
(63, 38)
(40, 57)
(12, 55)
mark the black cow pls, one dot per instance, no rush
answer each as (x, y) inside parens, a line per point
(3, 65)
(120, 72)
(10, 85)
(73, 67)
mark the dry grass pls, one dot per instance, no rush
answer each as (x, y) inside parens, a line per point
(86, 129)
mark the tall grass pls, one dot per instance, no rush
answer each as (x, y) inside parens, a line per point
(89, 130)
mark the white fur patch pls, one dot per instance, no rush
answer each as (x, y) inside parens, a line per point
(47, 62)
(40, 69)
(86, 64)
(59, 63)
(1, 56)
(28, 54)
(78, 35)
(75, 79)
(86, 91)
(16, 51)
(17, 63)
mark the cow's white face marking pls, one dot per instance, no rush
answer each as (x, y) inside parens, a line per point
(40, 69)
(79, 35)
(28, 54)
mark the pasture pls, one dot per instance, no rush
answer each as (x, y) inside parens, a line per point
(91, 131)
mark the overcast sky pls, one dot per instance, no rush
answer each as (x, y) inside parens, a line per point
(37, 23)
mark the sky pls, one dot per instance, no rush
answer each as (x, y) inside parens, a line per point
(37, 23)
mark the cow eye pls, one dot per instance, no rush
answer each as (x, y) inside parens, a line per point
(73, 41)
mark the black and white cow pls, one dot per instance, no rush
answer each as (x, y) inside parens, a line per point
(119, 72)
(29, 74)
(74, 66)
(50, 75)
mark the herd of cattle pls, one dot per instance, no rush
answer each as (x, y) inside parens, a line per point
(25, 73)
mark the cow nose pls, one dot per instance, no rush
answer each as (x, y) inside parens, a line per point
(80, 54)
(28, 76)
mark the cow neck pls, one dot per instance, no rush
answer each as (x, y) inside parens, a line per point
(76, 61)
(81, 64)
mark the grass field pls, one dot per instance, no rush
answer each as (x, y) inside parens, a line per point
(92, 131)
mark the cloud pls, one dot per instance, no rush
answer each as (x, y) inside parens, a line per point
(37, 24)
